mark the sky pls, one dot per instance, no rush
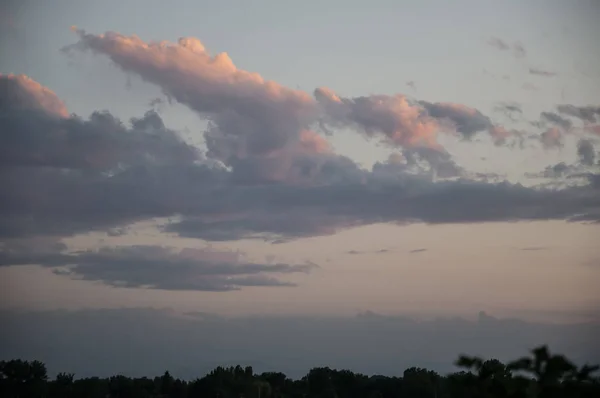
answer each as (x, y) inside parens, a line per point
(282, 161)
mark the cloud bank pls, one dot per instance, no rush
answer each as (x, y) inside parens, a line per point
(191, 345)
(268, 171)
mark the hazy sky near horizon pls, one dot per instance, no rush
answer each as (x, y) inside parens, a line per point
(421, 158)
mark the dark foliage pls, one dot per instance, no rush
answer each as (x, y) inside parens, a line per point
(540, 375)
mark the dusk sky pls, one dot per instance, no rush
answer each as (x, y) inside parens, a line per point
(301, 159)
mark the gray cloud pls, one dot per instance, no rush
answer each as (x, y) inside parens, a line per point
(153, 267)
(586, 152)
(197, 343)
(440, 162)
(534, 248)
(529, 87)
(518, 49)
(556, 119)
(541, 72)
(418, 251)
(467, 121)
(511, 110)
(380, 251)
(46, 200)
(498, 43)
(552, 138)
(99, 174)
(585, 113)
(100, 144)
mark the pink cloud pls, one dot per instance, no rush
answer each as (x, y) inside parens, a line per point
(250, 116)
(595, 129)
(402, 122)
(552, 138)
(22, 92)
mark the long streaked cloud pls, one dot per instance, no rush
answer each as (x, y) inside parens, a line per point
(590, 114)
(153, 267)
(541, 72)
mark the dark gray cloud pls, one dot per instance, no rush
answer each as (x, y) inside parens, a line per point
(439, 161)
(191, 345)
(589, 114)
(153, 267)
(541, 72)
(558, 170)
(100, 144)
(556, 119)
(586, 152)
(62, 175)
(511, 110)
(418, 251)
(98, 174)
(468, 121)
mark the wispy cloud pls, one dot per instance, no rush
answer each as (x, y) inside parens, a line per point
(541, 72)
(153, 267)
(517, 48)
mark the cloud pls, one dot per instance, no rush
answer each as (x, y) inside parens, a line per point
(510, 110)
(556, 119)
(280, 179)
(552, 138)
(529, 87)
(518, 49)
(197, 343)
(356, 252)
(589, 114)
(498, 43)
(101, 143)
(440, 162)
(541, 72)
(467, 121)
(417, 251)
(21, 93)
(153, 267)
(249, 116)
(586, 152)
(153, 174)
(401, 121)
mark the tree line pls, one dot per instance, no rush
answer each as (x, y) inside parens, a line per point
(538, 375)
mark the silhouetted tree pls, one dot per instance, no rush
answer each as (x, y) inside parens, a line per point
(539, 375)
